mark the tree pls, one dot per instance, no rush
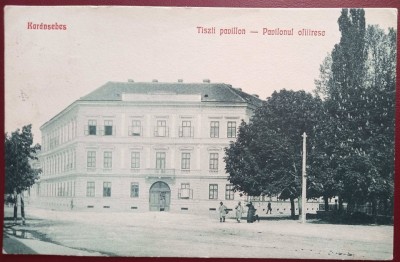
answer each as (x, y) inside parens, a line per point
(379, 111)
(19, 175)
(357, 81)
(266, 157)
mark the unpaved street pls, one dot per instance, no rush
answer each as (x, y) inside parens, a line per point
(176, 235)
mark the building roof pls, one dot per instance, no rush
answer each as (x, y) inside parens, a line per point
(210, 92)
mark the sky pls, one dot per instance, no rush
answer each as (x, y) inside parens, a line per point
(47, 70)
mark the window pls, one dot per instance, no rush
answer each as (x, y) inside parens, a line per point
(107, 189)
(134, 190)
(231, 129)
(213, 191)
(186, 129)
(185, 192)
(214, 129)
(185, 185)
(136, 128)
(91, 159)
(229, 192)
(161, 129)
(214, 162)
(90, 189)
(92, 126)
(160, 160)
(135, 160)
(185, 162)
(108, 127)
(107, 159)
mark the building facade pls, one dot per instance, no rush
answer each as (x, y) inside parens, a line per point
(143, 147)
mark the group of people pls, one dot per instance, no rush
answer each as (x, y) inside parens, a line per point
(251, 212)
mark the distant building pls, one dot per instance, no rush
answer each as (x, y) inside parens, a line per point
(143, 147)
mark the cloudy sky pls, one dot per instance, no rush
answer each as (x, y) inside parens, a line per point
(46, 70)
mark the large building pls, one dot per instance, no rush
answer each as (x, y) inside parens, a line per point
(143, 147)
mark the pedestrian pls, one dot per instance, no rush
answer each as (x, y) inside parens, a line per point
(250, 212)
(269, 208)
(239, 211)
(222, 212)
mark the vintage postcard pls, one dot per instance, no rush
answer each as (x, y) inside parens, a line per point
(199, 132)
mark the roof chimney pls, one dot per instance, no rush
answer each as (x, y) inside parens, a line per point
(206, 80)
(130, 80)
(180, 80)
(256, 95)
(155, 80)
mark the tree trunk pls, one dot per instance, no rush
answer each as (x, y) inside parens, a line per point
(340, 200)
(374, 204)
(350, 206)
(326, 204)
(15, 207)
(22, 208)
(386, 208)
(299, 205)
(292, 213)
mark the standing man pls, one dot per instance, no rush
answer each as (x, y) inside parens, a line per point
(269, 208)
(239, 211)
(222, 212)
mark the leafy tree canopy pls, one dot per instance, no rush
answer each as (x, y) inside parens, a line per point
(19, 153)
(266, 158)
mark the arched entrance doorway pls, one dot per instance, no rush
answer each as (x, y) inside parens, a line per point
(160, 196)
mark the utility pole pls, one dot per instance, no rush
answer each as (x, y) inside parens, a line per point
(304, 182)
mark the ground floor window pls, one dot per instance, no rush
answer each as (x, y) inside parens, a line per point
(185, 185)
(90, 189)
(134, 190)
(107, 189)
(229, 192)
(213, 191)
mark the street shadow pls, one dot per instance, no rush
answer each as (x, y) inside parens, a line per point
(278, 218)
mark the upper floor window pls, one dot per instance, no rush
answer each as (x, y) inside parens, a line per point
(108, 127)
(107, 159)
(214, 129)
(161, 129)
(92, 127)
(91, 159)
(186, 130)
(231, 130)
(136, 128)
(135, 160)
(213, 162)
(160, 160)
(185, 161)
